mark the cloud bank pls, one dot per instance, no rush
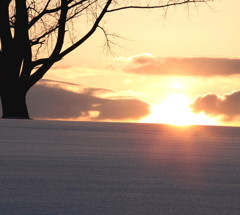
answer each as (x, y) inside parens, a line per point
(53, 102)
(227, 106)
(151, 65)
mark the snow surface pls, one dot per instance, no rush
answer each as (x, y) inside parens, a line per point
(93, 168)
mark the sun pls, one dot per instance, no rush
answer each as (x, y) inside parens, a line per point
(175, 110)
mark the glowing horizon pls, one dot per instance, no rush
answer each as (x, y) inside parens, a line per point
(175, 110)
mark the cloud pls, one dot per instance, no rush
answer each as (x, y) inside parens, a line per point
(152, 65)
(52, 102)
(227, 106)
(119, 109)
(47, 81)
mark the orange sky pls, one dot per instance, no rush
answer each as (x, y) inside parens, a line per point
(166, 63)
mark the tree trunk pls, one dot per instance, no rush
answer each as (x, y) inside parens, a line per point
(14, 103)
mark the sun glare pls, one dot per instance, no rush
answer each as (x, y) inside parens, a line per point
(176, 85)
(175, 110)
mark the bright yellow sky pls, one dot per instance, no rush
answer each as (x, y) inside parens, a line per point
(201, 32)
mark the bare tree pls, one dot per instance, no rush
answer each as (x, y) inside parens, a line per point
(35, 34)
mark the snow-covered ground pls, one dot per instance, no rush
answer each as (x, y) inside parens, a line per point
(88, 168)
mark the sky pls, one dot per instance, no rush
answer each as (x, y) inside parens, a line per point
(180, 66)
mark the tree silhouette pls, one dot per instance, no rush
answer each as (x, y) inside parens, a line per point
(35, 34)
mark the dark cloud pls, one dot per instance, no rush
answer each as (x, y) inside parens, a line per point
(51, 102)
(121, 109)
(151, 65)
(227, 106)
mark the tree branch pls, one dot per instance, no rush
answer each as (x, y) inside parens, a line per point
(168, 4)
(61, 29)
(89, 33)
(21, 40)
(60, 39)
(5, 31)
(40, 15)
(53, 10)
